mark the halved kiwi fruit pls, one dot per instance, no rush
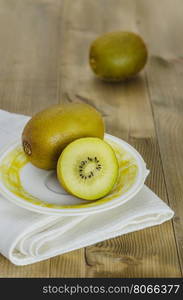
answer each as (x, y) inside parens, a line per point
(88, 168)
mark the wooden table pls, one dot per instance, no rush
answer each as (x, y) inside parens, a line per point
(44, 60)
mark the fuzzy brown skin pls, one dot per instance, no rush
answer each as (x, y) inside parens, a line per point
(51, 130)
(117, 56)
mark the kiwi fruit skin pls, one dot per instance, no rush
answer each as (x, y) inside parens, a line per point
(117, 56)
(51, 130)
(71, 152)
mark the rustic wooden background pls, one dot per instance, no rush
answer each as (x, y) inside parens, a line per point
(44, 60)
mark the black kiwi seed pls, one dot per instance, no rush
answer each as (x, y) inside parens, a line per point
(83, 162)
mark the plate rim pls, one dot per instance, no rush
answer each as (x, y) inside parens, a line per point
(137, 185)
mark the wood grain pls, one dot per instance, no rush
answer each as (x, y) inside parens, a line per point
(160, 24)
(167, 103)
(8, 270)
(124, 257)
(164, 79)
(29, 36)
(44, 45)
(29, 39)
(72, 265)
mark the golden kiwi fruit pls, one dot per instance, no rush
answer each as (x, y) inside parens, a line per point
(48, 132)
(117, 56)
(88, 168)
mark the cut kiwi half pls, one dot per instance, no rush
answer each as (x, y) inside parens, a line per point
(88, 168)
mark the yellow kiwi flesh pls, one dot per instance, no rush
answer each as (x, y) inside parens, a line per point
(118, 55)
(88, 168)
(51, 130)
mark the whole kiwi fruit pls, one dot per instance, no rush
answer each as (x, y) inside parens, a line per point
(48, 132)
(117, 56)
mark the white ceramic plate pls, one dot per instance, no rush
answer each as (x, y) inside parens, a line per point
(39, 190)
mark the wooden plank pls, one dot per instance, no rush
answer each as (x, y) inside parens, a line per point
(127, 113)
(29, 39)
(164, 76)
(165, 79)
(29, 36)
(27, 96)
(69, 265)
(138, 254)
(161, 25)
(38, 270)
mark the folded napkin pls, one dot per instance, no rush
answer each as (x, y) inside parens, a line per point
(27, 237)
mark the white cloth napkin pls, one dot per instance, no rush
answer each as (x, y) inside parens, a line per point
(27, 237)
